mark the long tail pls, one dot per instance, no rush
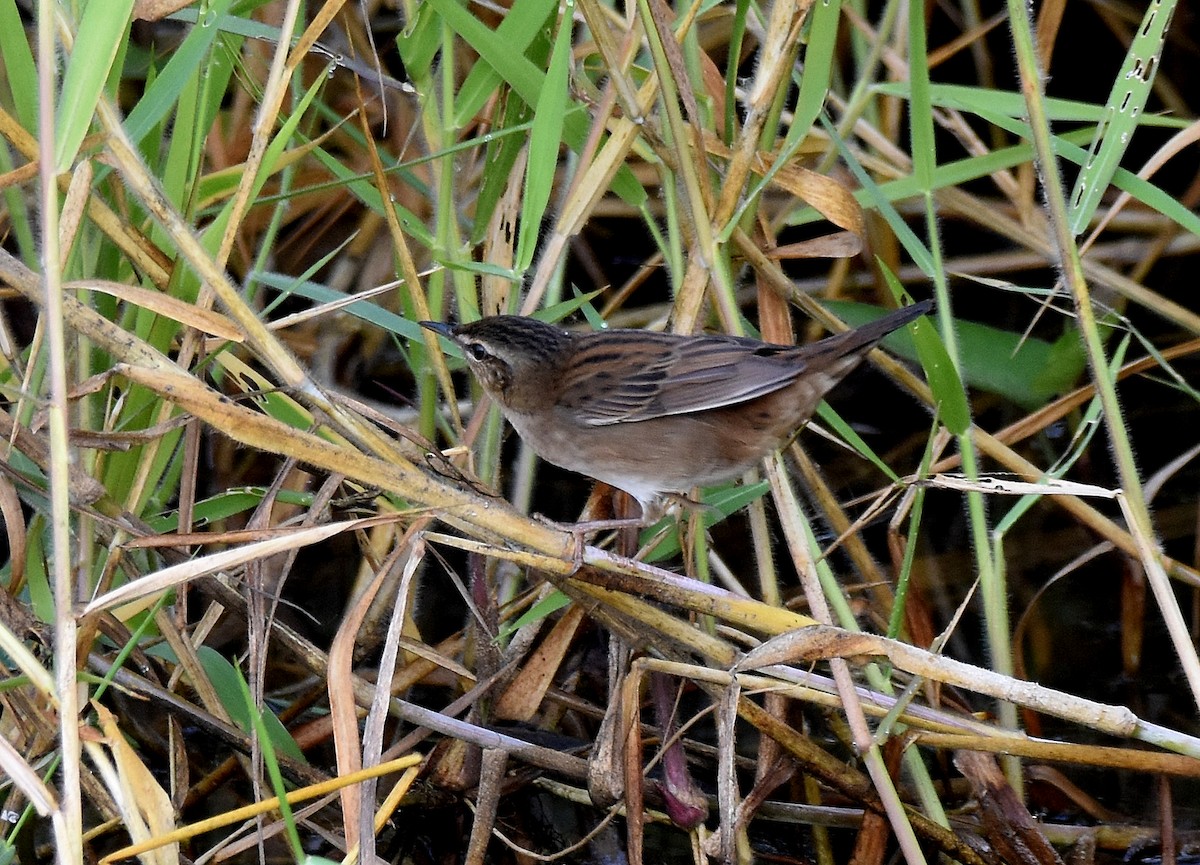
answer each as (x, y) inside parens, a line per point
(852, 340)
(829, 361)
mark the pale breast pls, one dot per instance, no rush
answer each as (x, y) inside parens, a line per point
(662, 455)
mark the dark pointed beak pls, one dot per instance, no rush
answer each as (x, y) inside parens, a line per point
(439, 327)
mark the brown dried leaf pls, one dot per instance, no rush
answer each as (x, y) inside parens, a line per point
(203, 320)
(520, 701)
(145, 805)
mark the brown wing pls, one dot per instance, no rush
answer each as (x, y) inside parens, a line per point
(681, 374)
(671, 375)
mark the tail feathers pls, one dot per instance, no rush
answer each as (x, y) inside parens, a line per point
(869, 334)
(835, 357)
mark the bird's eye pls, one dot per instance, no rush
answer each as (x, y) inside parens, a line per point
(475, 351)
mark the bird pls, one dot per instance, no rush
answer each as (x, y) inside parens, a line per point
(656, 414)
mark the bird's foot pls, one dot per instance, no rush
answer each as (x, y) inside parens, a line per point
(582, 530)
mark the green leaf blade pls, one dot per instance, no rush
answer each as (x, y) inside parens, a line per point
(1131, 89)
(100, 36)
(545, 141)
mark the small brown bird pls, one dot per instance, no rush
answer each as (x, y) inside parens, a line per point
(654, 413)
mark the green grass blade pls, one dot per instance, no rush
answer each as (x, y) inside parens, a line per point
(101, 34)
(850, 436)
(16, 57)
(266, 732)
(741, 7)
(1128, 97)
(920, 108)
(1028, 371)
(362, 309)
(503, 148)
(917, 251)
(520, 27)
(1012, 105)
(545, 141)
(963, 170)
(227, 681)
(161, 96)
(818, 67)
(418, 43)
(527, 81)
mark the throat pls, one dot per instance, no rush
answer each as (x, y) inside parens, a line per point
(527, 397)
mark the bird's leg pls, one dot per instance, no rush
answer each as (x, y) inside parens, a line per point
(583, 529)
(627, 537)
(609, 508)
(686, 504)
(602, 501)
(606, 500)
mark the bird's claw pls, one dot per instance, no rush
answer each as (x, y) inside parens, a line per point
(580, 531)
